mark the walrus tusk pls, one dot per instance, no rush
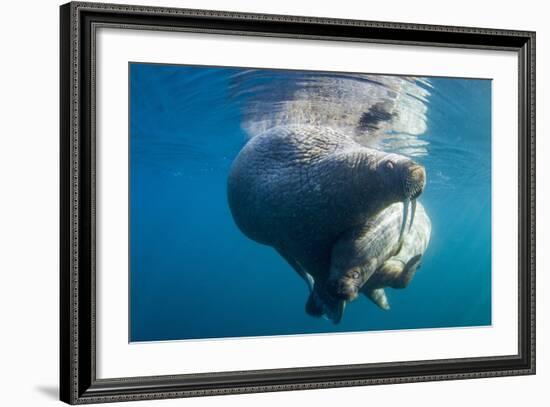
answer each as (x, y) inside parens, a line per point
(413, 211)
(406, 203)
(339, 312)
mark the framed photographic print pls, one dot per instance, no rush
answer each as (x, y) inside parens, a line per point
(256, 203)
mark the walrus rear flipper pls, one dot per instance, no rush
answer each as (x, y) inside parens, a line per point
(314, 306)
(378, 296)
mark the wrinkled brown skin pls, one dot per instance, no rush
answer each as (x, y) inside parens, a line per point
(398, 271)
(365, 249)
(377, 245)
(298, 188)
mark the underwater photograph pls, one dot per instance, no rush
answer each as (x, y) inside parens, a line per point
(268, 202)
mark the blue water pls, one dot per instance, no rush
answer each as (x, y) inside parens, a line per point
(193, 274)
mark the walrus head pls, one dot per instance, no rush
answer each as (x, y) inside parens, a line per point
(402, 180)
(349, 280)
(406, 179)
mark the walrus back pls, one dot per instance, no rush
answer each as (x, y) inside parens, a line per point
(270, 171)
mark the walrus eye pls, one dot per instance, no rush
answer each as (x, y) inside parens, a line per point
(355, 274)
(389, 165)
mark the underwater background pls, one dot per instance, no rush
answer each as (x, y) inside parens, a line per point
(194, 275)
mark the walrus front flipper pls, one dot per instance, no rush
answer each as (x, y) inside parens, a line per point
(378, 296)
(309, 281)
(396, 274)
(300, 270)
(404, 278)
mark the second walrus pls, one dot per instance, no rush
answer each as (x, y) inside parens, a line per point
(372, 257)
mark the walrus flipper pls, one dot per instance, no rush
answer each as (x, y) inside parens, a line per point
(378, 296)
(397, 274)
(300, 270)
(403, 279)
(310, 281)
(314, 305)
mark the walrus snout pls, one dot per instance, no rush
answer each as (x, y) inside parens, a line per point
(414, 181)
(344, 289)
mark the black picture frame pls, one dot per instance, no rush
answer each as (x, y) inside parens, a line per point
(78, 382)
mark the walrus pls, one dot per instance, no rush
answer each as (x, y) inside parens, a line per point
(377, 255)
(299, 188)
(398, 271)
